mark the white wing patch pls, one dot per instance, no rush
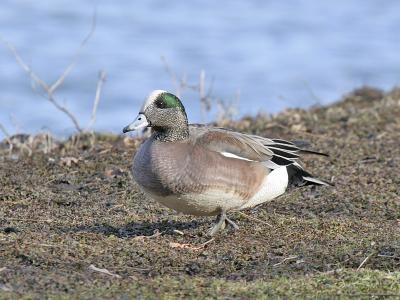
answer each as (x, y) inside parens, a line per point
(231, 155)
(271, 165)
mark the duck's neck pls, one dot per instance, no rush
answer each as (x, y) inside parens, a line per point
(171, 134)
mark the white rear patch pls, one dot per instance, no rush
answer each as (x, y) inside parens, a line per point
(231, 155)
(274, 185)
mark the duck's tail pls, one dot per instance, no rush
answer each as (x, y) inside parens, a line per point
(297, 176)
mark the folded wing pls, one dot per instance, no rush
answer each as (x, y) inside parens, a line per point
(272, 152)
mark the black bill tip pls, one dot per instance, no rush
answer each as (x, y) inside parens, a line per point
(126, 129)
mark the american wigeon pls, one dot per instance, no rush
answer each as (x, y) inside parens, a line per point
(205, 171)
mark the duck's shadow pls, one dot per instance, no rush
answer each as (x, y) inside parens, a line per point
(134, 229)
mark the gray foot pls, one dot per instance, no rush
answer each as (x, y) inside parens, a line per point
(219, 225)
(222, 221)
(233, 224)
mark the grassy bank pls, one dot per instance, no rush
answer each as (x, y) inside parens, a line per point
(73, 224)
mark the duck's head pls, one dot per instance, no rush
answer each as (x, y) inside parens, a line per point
(161, 111)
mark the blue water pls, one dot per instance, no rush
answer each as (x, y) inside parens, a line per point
(275, 54)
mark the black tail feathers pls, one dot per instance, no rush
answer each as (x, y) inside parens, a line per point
(313, 152)
(298, 177)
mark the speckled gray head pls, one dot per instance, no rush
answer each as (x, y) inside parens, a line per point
(165, 113)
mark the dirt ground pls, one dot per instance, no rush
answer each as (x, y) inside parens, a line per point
(74, 225)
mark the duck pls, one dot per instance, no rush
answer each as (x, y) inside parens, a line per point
(201, 170)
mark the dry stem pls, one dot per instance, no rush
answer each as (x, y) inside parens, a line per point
(7, 136)
(100, 83)
(182, 84)
(49, 90)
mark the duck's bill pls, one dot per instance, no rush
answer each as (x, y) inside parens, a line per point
(140, 122)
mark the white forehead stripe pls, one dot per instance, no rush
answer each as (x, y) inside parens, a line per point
(150, 98)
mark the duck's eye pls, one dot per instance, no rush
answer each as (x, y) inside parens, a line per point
(160, 103)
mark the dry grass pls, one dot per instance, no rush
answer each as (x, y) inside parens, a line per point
(73, 224)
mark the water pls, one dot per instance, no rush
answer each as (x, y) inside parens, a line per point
(278, 54)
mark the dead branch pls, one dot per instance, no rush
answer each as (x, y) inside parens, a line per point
(7, 137)
(50, 89)
(100, 83)
(35, 78)
(14, 142)
(171, 74)
(5, 132)
(312, 93)
(182, 84)
(69, 68)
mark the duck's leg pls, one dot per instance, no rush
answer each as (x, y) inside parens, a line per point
(233, 224)
(222, 220)
(219, 225)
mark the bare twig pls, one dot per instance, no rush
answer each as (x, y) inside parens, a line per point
(205, 100)
(50, 89)
(5, 132)
(182, 84)
(24, 66)
(285, 260)
(42, 84)
(100, 83)
(171, 74)
(388, 256)
(227, 109)
(103, 271)
(14, 142)
(312, 94)
(366, 260)
(206, 243)
(69, 68)
(179, 232)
